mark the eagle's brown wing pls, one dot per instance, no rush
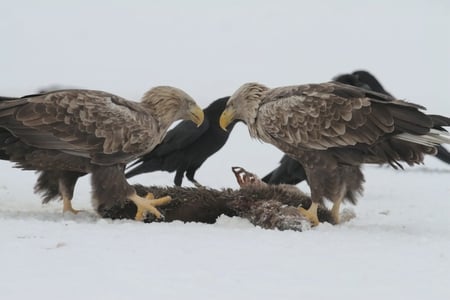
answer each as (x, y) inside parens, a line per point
(334, 115)
(93, 124)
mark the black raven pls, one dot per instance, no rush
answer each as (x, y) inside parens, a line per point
(291, 171)
(362, 79)
(186, 147)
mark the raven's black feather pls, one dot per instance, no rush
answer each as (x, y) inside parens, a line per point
(291, 171)
(186, 147)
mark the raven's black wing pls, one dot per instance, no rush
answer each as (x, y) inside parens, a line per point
(289, 171)
(181, 136)
(362, 79)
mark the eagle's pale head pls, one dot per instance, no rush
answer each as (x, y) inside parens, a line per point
(243, 104)
(170, 104)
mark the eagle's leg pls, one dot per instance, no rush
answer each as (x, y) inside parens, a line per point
(314, 179)
(148, 205)
(335, 211)
(110, 189)
(336, 205)
(66, 184)
(67, 206)
(311, 213)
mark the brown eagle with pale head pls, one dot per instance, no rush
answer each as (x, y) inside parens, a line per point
(68, 133)
(333, 128)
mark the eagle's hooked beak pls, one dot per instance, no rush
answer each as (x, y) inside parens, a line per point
(226, 118)
(197, 115)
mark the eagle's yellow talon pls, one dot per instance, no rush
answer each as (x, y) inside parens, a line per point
(67, 206)
(160, 201)
(139, 214)
(310, 214)
(148, 204)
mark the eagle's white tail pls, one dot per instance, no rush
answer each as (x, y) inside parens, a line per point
(433, 138)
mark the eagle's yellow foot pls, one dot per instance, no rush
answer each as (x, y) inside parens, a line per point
(148, 205)
(335, 212)
(310, 214)
(67, 206)
(140, 213)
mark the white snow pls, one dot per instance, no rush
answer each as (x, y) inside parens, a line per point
(397, 246)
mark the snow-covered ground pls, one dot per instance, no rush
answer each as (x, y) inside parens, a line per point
(397, 246)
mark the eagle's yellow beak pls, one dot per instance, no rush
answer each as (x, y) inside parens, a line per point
(226, 118)
(197, 115)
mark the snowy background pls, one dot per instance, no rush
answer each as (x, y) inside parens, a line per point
(397, 247)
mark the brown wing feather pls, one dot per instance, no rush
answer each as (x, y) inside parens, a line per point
(336, 115)
(315, 119)
(86, 123)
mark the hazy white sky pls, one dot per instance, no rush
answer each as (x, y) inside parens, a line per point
(209, 48)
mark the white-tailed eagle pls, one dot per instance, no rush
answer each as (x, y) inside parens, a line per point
(333, 128)
(68, 133)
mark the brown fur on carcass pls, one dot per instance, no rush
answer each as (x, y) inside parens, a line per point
(267, 206)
